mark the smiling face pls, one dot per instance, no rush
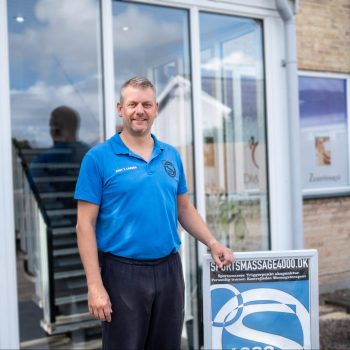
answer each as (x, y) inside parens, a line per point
(138, 109)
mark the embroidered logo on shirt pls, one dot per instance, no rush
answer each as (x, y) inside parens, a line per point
(169, 168)
(125, 169)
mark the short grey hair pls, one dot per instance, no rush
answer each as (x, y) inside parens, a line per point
(139, 83)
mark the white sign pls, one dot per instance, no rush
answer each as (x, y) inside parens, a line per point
(263, 300)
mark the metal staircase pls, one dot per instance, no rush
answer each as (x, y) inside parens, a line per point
(45, 224)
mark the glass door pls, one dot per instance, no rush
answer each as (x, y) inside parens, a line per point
(56, 116)
(232, 80)
(153, 41)
(49, 69)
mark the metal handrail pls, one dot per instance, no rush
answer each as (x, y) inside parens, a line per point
(33, 234)
(39, 232)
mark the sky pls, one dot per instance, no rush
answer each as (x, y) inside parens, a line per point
(55, 57)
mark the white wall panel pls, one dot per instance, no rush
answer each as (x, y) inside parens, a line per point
(9, 335)
(278, 137)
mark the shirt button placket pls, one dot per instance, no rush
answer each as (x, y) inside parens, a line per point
(149, 169)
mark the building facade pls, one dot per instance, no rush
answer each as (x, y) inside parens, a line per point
(323, 42)
(227, 82)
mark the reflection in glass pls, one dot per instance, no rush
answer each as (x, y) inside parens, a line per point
(56, 116)
(49, 66)
(234, 130)
(62, 159)
(152, 41)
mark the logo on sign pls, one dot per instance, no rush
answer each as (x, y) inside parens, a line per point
(256, 318)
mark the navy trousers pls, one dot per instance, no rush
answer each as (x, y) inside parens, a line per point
(147, 299)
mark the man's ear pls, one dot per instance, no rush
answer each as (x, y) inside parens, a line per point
(119, 109)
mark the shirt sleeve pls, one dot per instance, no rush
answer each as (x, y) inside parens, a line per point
(182, 185)
(90, 181)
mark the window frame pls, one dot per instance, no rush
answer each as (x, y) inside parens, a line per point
(340, 191)
(277, 131)
(276, 122)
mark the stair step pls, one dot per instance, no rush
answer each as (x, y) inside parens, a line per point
(72, 267)
(58, 212)
(63, 230)
(63, 263)
(53, 204)
(57, 222)
(67, 274)
(41, 150)
(55, 166)
(61, 242)
(339, 301)
(70, 323)
(66, 251)
(71, 299)
(57, 195)
(70, 286)
(50, 179)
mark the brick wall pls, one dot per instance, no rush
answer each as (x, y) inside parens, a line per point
(323, 35)
(323, 43)
(327, 229)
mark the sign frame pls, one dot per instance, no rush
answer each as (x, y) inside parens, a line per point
(313, 319)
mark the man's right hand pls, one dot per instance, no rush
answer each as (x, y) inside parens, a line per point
(99, 303)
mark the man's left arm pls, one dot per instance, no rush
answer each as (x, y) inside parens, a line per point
(192, 222)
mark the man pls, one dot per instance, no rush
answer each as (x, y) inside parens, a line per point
(61, 160)
(131, 192)
(64, 125)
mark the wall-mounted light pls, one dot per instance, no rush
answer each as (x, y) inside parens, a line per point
(19, 19)
(125, 28)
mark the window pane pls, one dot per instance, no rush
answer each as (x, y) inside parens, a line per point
(234, 130)
(153, 41)
(324, 135)
(54, 60)
(56, 116)
(164, 60)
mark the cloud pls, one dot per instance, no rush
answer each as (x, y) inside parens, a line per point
(64, 35)
(31, 108)
(55, 60)
(147, 38)
(144, 31)
(238, 58)
(62, 31)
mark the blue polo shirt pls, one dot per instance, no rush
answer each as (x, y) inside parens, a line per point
(137, 199)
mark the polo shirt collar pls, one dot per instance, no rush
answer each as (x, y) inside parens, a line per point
(119, 146)
(158, 146)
